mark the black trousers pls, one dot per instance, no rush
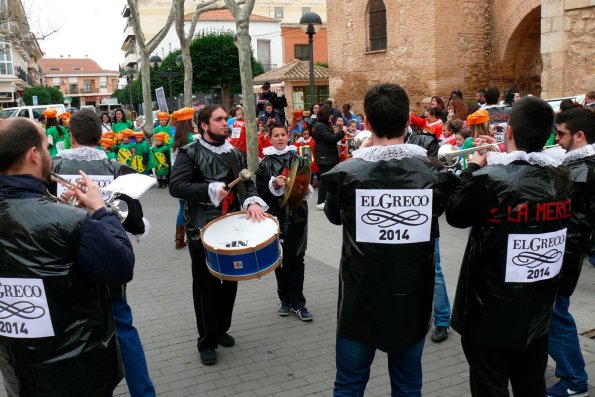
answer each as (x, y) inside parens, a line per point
(322, 186)
(213, 299)
(490, 369)
(290, 282)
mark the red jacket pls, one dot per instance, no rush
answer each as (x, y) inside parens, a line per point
(238, 135)
(434, 128)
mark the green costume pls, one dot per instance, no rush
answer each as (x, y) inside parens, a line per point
(162, 158)
(165, 129)
(143, 158)
(121, 126)
(58, 142)
(126, 152)
(111, 156)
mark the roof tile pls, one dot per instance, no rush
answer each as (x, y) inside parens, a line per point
(70, 66)
(225, 15)
(295, 70)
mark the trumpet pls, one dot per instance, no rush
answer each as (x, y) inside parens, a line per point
(450, 156)
(114, 204)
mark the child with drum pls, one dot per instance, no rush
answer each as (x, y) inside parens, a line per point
(271, 182)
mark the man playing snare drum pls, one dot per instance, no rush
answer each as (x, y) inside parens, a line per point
(200, 174)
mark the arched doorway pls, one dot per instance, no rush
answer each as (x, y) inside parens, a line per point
(521, 64)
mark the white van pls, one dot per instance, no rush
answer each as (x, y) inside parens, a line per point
(32, 112)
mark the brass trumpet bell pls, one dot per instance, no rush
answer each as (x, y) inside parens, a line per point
(450, 156)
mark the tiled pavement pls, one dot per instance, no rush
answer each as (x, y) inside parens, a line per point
(277, 356)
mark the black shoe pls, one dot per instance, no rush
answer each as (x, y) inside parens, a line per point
(283, 309)
(208, 356)
(303, 314)
(226, 340)
(440, 334)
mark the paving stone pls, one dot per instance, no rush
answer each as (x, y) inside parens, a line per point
(277, 356)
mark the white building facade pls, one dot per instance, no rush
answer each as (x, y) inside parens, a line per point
(267, 41)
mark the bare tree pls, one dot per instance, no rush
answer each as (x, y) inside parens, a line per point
(145, 49)
(15, 29)
(186, 37)
(241, 14)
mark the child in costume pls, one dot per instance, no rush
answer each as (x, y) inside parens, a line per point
(58, 136)
(126, 149)
(163, 126)
(142, 156)
(347, 144)
(106, 145)
(306, 147)
(264, 139)
(271, 181)
(295, 129)
(162, 159)
(238, 131)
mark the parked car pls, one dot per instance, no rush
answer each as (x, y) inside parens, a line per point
(32, 112)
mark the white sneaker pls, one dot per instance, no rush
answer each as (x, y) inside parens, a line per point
(320, 206)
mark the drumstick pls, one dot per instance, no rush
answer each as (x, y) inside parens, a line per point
(245, 174)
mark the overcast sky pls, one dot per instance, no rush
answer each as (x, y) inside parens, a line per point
(86, 27)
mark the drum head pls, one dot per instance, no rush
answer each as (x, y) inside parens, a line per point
(235, 232)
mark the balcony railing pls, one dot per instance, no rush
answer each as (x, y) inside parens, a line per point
(269, 66)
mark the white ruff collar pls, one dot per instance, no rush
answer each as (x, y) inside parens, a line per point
(389, 152)
(225, 148)
(534, 158)
(577, 154)
(83, 154)
(267, 151)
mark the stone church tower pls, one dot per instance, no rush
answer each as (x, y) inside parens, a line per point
(541, 47)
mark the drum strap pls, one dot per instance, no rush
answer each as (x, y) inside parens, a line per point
(230, 159)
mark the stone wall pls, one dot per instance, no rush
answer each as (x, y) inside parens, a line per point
(568, 47)
(431, 49)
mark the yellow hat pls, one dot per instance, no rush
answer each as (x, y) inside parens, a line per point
(119, 136)
(183, 114)
(162, 116)
(160, 136)
(50, 113)
(479, 117)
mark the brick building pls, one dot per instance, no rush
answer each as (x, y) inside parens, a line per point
(81, 80)
(541, 47)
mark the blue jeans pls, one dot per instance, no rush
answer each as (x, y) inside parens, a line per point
(353, 369)
(564, 346)
(180, 218)
(441, 303)
(131, 349)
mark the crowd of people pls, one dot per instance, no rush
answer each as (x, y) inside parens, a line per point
(530, 210)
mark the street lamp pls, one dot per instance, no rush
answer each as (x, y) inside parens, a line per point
(310, 23)
(156, 61)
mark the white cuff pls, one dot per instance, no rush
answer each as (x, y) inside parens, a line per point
(310, 193)
(214, 188)
(140, 237)
(257, 200)
(276, 192)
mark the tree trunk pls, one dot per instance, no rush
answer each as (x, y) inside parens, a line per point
(248, 95)
(145, 49)
(145, 67)
(242, 17)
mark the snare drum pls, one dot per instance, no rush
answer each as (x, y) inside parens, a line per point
(240, 249)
